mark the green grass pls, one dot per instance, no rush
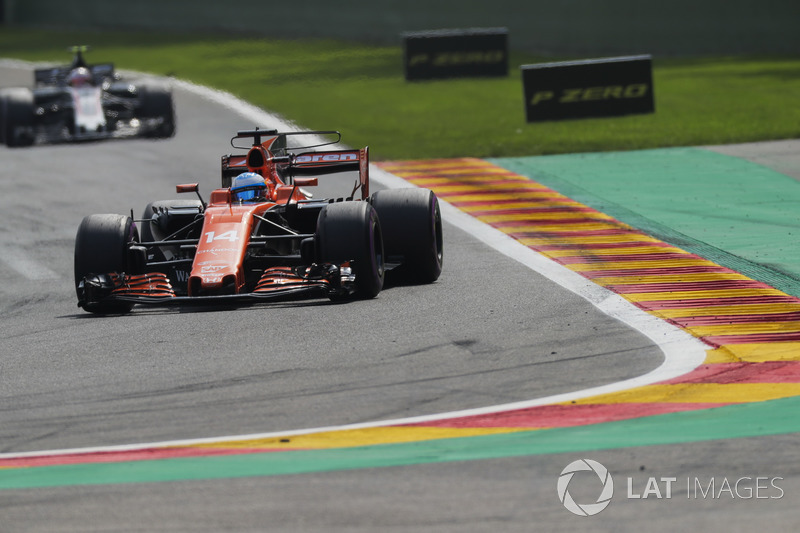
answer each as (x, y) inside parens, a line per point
(360, 90)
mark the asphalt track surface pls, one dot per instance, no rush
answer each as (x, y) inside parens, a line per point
(488, 332)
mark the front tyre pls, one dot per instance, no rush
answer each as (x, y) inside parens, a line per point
(101, 247)
(350, 231)
(17, 117)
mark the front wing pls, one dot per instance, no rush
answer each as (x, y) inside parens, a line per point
(326, 280)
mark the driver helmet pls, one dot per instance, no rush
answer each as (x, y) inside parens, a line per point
(80, 77)
(248, 187)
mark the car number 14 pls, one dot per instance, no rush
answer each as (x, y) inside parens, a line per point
(211, 236)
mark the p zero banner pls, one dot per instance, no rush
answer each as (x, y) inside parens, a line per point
(590, 88)
(441, 54)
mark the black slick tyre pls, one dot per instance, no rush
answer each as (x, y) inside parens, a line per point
(17, 117)
(351, 231)
(156, 103)
(412, 231)
(101, 247)
(3, 106)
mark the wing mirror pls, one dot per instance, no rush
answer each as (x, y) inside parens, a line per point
(191, 187)
(305, 182)
(187, 187)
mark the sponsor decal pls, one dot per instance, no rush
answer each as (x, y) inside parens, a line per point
(181, 276)
(443, 59)
(590, 88)
(634, 90)
(456, 53)
(327, 158)
(215, 251)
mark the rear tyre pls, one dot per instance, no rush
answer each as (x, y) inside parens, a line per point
(412, 231)
(3, 117)
(350, 231)
(17, 117)
(156, 103)
(101, 247)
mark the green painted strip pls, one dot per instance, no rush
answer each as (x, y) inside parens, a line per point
(734, 421)
(734, 212)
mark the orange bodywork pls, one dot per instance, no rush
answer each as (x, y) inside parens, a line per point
(227, 226)
(223, 243)
(226, 234)
(222, 246)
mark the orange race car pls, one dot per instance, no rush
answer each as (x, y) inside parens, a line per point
(262, 235)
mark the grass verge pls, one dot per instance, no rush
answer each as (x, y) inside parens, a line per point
(360, 90)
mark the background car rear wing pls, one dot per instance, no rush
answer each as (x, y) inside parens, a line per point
(58, 75)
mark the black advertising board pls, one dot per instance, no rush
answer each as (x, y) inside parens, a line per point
(439, 54)
(590, 88)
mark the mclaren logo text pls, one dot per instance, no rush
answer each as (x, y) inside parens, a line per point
(327, 158)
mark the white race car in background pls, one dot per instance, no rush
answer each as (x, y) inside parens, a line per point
(83, 102)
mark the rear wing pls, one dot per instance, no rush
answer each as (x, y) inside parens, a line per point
(332, 162)
(273, 155)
